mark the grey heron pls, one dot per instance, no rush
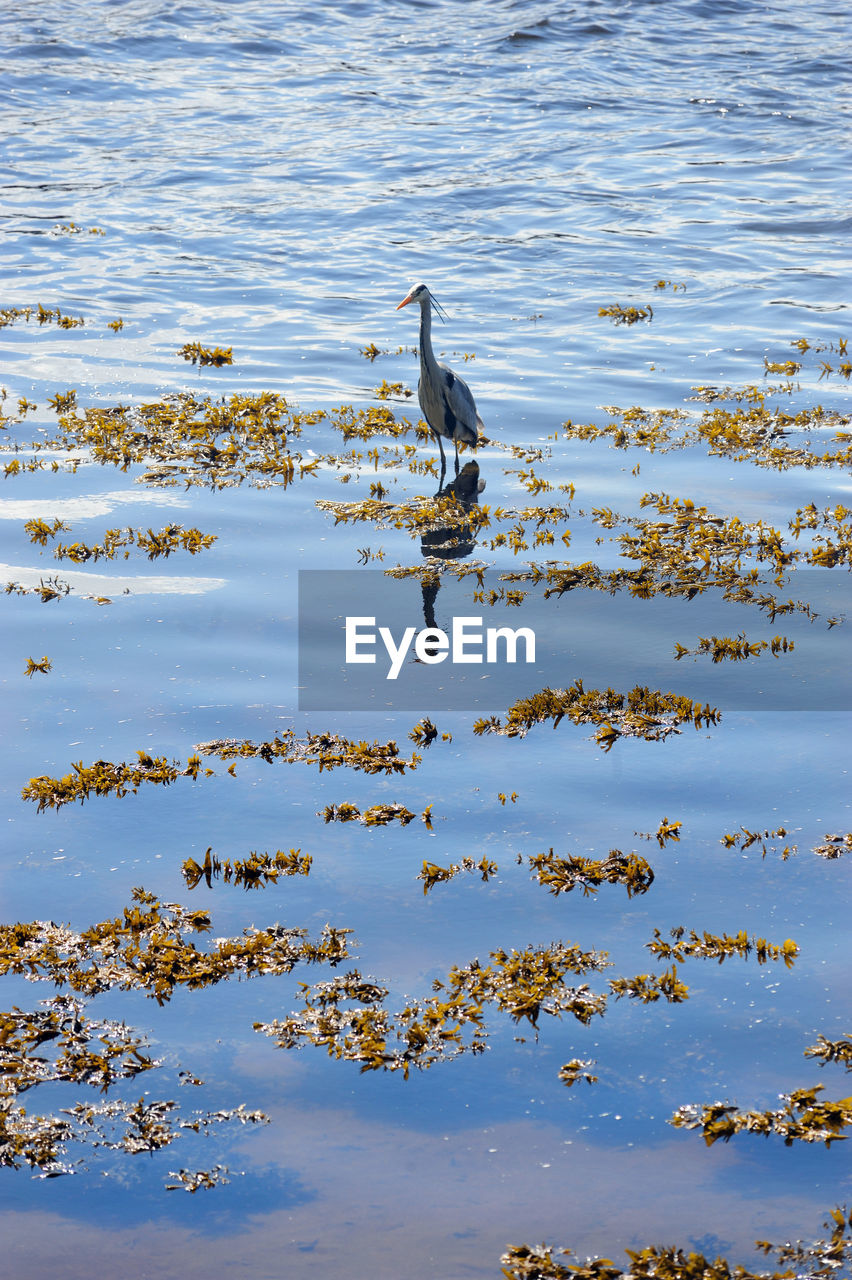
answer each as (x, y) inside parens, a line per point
(445, 398)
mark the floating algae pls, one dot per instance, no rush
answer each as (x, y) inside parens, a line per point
(683, 549)
(162, 542)
(832, 1050)
(146, 949)
(206, 355)
(561, 875)
(193, 440)
(817, 1261)
(60, 1043)
(347, 1014)
(577, 1069)
(431, 873)
(328, 750)
(378, 815)
(835, 846)
(251, 872)
(54, 588)
(620, 314)
(721, 947)
(641, 713)
(32, 666)
(802, 1118)
(744, 839)
(104, 777)
(734, 649)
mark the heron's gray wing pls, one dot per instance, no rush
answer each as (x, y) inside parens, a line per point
(460, 399)
(430, 393)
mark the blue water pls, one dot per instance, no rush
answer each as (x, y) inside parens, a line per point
(273, 178)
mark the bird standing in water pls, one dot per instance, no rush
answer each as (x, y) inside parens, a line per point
(445, 398)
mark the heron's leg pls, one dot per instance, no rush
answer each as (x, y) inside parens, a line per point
(443, 456)
(456, 443)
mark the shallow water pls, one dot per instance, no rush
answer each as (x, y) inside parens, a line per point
(272, 178)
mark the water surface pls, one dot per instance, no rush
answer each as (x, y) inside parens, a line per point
(273, 178)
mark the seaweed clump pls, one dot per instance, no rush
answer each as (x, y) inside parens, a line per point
(620, 314)
(577, 1069)
(818, 1261)
(155, 543)
(641, 713)
(347, 1015)
(431, 873)
(207, 355)
(722, 947)
(835, 846)
(191, 440)
(327, 750)
(146, 949)
(104, 778)
(522, 984)
(744, 839)
(802, 1118)
(55, 588)
(32, 666)
(378, 815)
(832, 1050)
(561, 875)
(60, 1043)
(734, 649)
(251, 872)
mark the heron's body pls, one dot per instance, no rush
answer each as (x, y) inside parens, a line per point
(445, 398)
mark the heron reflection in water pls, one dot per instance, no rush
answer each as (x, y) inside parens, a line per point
(445, 399)
(451, 542)
(456, 540)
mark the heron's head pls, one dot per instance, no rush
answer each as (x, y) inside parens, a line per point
(419, 293)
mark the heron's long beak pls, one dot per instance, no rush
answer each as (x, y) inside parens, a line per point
(405, 302)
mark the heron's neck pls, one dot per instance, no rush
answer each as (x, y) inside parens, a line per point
(427, 355)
